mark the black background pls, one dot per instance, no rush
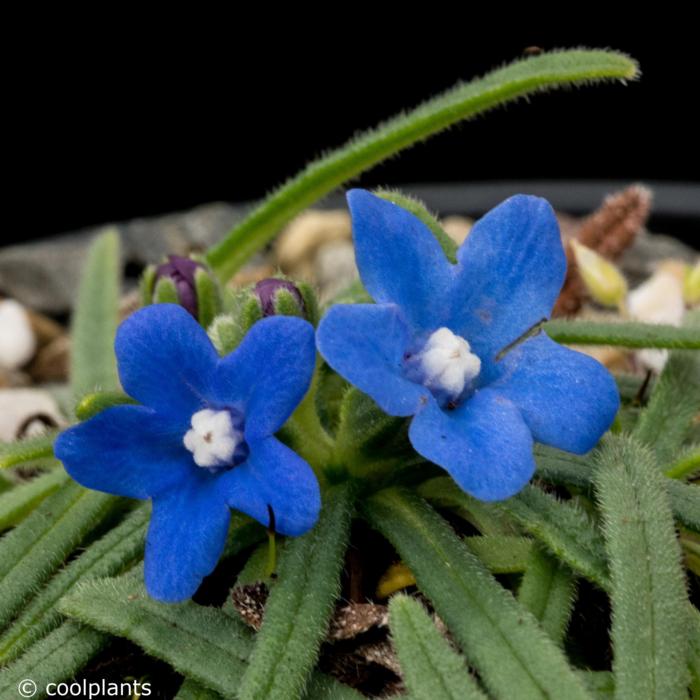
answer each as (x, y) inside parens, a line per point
(107, 130)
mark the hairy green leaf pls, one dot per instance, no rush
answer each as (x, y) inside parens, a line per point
(547, 590)
(694, 650)
(675, 401)
(627, 334)
(563, 528)
(569, 470)
(432, 669)
(190, 690)
(442, 492)
(648, 596)
(565, 468)
(601, 684)
(512, 654)
(110, 555)
(23, 451)
(31, 552)
(501, 554)
(206, 645)
(322, 687)
(521, 78)
(57, 657)
(94, 325)
(685, 502)
(200, 642)
(17, 503)
(300, 605)
(686, 464)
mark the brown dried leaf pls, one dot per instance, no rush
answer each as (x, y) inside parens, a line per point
(249, 602)
(609, 231)
(354, 619)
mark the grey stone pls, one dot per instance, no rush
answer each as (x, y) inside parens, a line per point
(639, 261)
(44, 274)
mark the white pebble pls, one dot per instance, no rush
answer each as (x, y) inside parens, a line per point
(17, 339)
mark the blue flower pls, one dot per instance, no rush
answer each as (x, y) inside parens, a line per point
(202, 440)
(429, 347)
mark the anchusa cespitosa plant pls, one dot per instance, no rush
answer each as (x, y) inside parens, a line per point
(217, 428)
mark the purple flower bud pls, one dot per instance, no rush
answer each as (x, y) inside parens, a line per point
(266, 290)
(182, 271)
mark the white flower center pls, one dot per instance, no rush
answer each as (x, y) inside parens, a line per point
(212, 439)
(447, 363)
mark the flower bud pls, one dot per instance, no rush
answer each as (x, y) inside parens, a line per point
(269, 297)
(280, 297)
(691, 285)
(603, 280)
(183, 281)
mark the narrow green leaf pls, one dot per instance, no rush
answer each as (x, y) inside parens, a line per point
(648, 595)
(685, 502)
(559, 467)
(323, 687)
(23, 451)
(504, 642)
(190, 690)
(203, 643)
(432, 669)
(501, 554)
(563, 528)
(109, 556)
(94, 325)
(627, 334)
(31, 552)
(694, 651)
(630, 386)
(601, 684)
(56, 658)
(17, 503)
(569, 470)
(443, 492)
(300, 605)
(687, 464)
(675, 401)
(200, 642)
(547, 590)
(525, 77)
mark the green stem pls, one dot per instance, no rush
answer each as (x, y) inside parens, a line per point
(305, 431)
(688, 464)
(521, 78)
(623, 334)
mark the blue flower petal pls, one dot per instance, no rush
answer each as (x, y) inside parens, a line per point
(484, 444)
(126, 450)
(365, 344)
(268, 374)
(400, 260)
(185, 539)
(276, 476)
(165, 360)
(567, 399)
(511, 269)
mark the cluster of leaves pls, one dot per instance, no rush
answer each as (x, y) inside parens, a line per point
(623, 520)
